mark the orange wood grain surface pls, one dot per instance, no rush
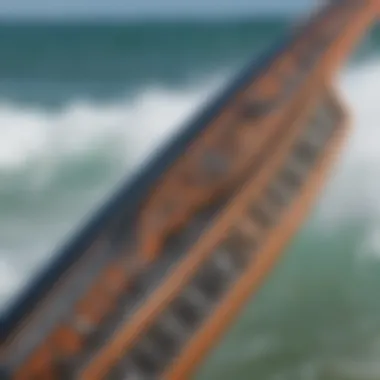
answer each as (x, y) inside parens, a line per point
(186, 188)
(157, 302)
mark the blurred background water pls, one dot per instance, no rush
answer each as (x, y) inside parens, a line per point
(83, 104)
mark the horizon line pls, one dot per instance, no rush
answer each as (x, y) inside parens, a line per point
(143, 17)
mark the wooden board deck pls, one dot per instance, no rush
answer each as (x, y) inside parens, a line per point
(154, 278)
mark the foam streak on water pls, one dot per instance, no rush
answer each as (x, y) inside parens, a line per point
(355, 187)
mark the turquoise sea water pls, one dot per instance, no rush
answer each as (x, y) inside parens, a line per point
(82, 104)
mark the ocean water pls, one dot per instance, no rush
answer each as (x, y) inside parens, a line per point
(83, 105)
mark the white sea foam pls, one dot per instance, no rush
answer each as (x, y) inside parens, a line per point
(354, 189)
(133, 125)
